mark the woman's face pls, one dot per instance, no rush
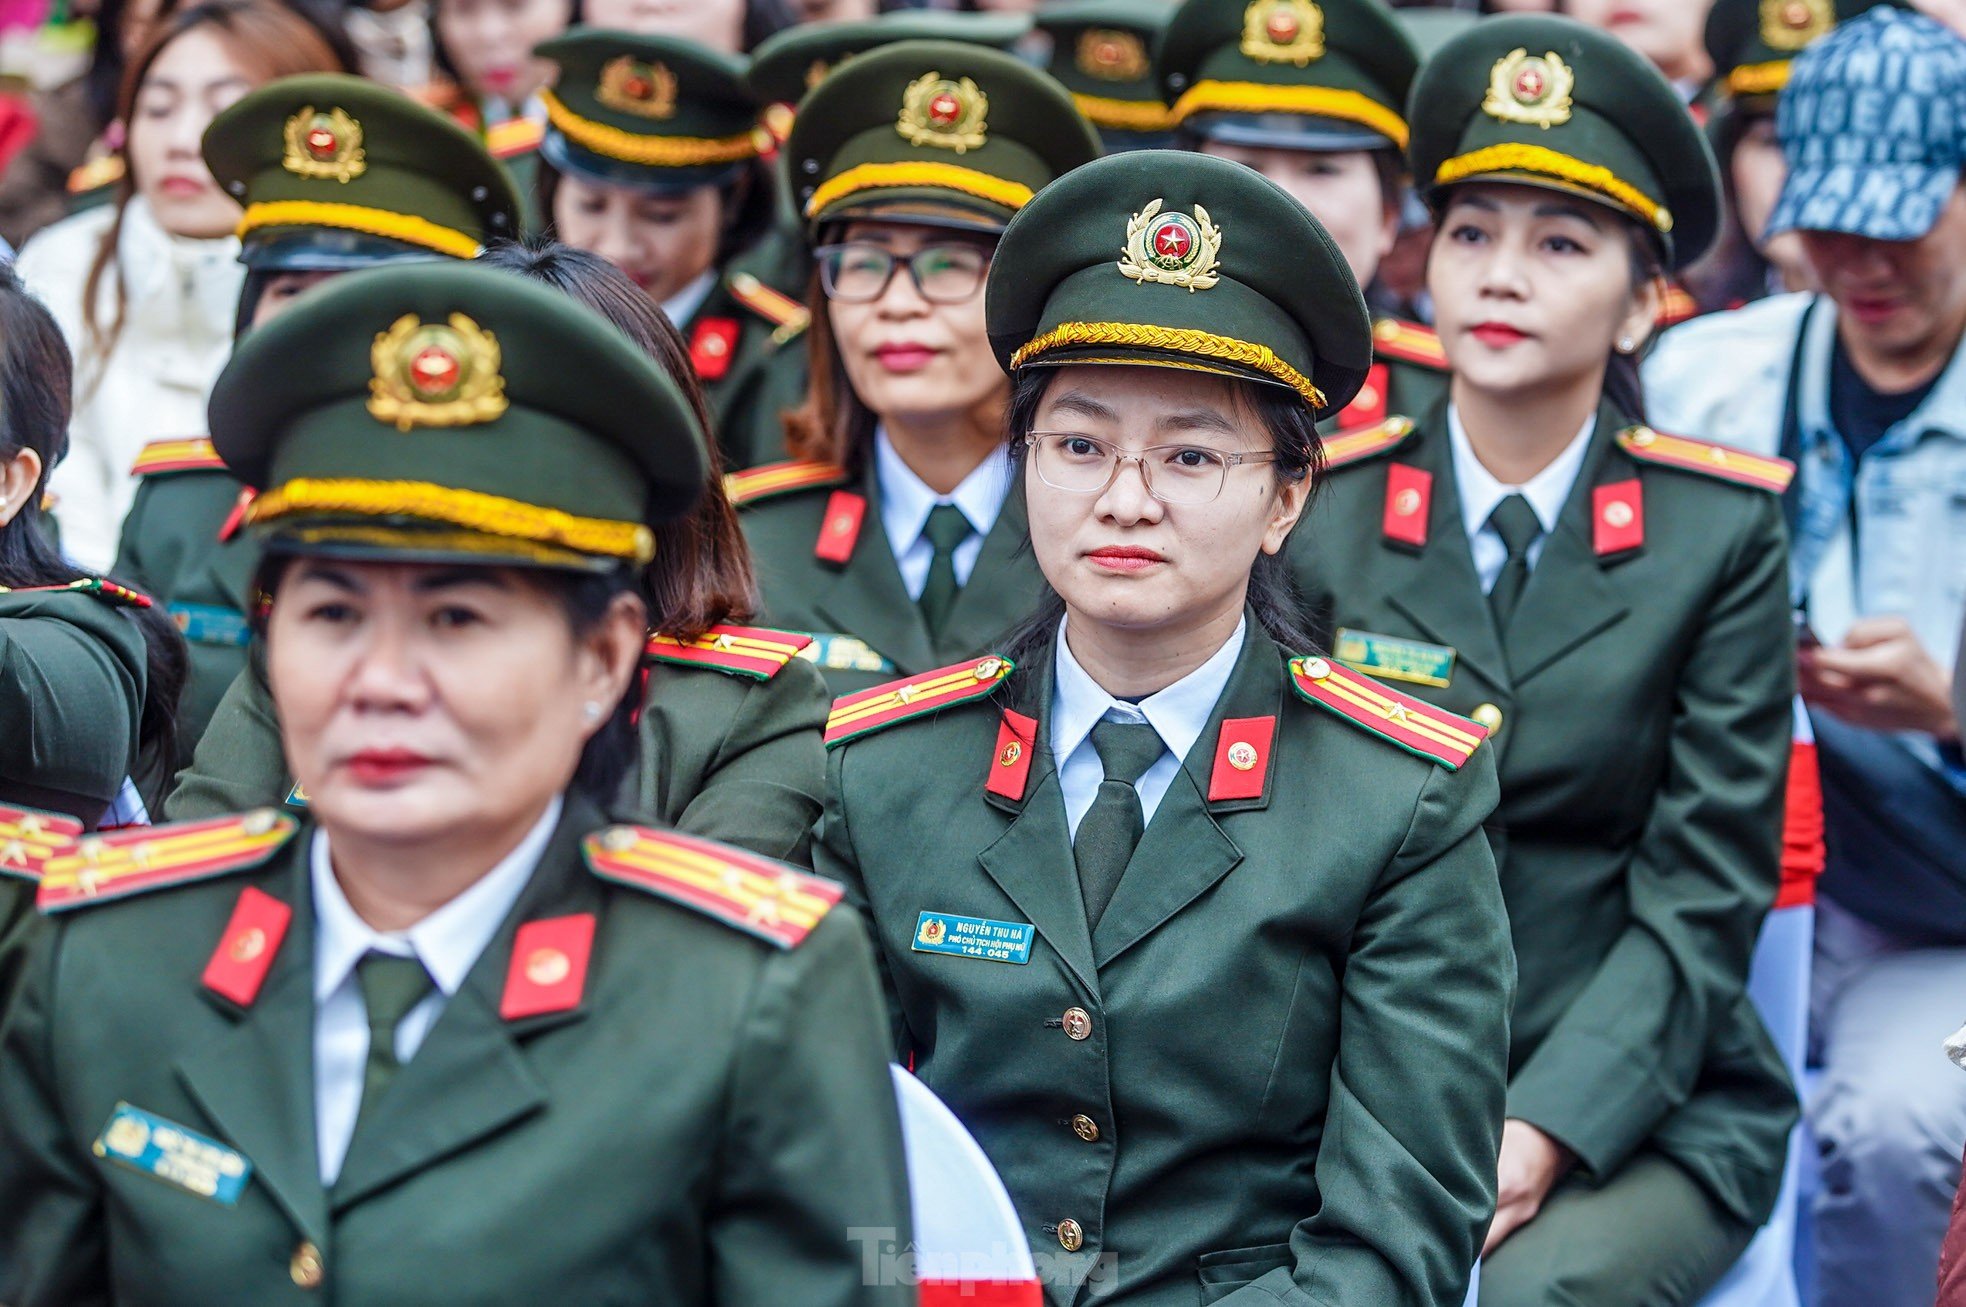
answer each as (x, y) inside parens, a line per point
(1532, 288)
(904, 354)
(1121, 558)
(718, 24)
(1757, 169)
(191, 79)
(416, 700)
(490, 44)
(281, 290)
(1670, 33)
(1340, 189)
(664, 242)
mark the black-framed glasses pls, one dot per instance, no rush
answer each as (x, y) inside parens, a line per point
(1174, 474)
(858, 272)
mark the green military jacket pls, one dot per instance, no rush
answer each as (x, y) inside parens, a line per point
(181, 545)
(1642, 708)
(1408, 374)
(747, 345)
(689, 1113)
(825, 567)
(1274, 1073)
(729, 746)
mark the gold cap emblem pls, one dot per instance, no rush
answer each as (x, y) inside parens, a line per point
(324, 146)
(1283, 31)
(433, 374)
(945, 114)
(633, 87)
(1530, 88)
(1111, 55)
(1789, 25)
(1171, 249)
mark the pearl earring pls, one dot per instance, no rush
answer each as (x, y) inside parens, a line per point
(1626, 345)
(591, 710)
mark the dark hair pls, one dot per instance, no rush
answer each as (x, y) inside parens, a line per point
(265, 33)
(36, 376)
(701, 574)
(749, 201)
(1299, 456)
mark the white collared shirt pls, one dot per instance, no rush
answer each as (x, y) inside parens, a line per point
(1481, 492)
(906, 501)
(682, 306)
(1178, 714)
(448, 942)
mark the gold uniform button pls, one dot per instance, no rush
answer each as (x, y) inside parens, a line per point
(1078, 1023)
(1490, 716)
(1070, 1237)
(1085, 1128)
(305, 1266)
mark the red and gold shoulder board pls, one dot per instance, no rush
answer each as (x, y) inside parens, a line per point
(755, 651)
(857, 714)
(1356, 446)
(28, 839)
(758, 896)
(513, 137)
(101, 868)
(1723, 461)
(101, 587)
(97, 173)
(1676, 306)
(1413, 724)
(1409, 342)
(194, 454)
(770, 480)
(787, 316)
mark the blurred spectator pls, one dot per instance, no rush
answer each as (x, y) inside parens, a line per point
(1864, 387)
(392, 42)
(145, 289)
(487, 47)
(733, 26)
(1665, 31)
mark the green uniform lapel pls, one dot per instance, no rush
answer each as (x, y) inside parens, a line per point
(868, 598)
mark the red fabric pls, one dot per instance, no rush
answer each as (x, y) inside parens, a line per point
(839, 530)
(246, 951)
(1409, 494)
(1802, 829)
(1010, 765)
(1368, 407)
(1617, 517)
(17, 127)
(1229, 781)
(548, 972)
(976, 1293)
(711, 346)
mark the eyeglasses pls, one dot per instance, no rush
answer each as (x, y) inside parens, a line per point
(858, 272)
(1174, 474)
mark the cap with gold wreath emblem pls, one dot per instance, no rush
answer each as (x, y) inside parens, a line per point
(454, 412)
(656, 113)
(1162, 258)
(933, 131)
(1546, 101)
(337, 172)
(1102, 51)
(1295, 74)
(1752, 42)
(788, 64)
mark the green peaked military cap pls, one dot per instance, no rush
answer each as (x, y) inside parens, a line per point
(788, 64)
(654, 112)
(454, 411)
(1161, 257)
(1304, 74)
(1102, 51)
(1751, 43)
(336, 171)
(1547, 101)
(936, 131)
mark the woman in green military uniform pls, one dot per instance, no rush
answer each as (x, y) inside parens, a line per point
(652, 158)
(1613, 603)
(895, 535)
(728, 736)
(1313, 96)
(404, 1054)
(334, 173)
(1254, 1050)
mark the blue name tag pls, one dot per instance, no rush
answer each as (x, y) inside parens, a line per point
(974, 937)
(210, 624)
(166, 1150)
(1393, 659)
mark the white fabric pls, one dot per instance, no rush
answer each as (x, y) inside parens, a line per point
(1481, 492)
(906, 501)
(682, 306)
(1178, 715)
(177, 334)
(967, 1232)
(448, 942)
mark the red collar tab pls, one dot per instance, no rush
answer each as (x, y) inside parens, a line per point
(839, 530)
(1368, 407)
(712, 343)
(246, 950)
(1409, 503)
(237, 517)
(548, 972)
(1010, 765)
(1242, 758)
(1617, 517)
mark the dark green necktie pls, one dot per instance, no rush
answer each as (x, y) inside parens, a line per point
(947, 528)
(1515, 521)
(1111, 827)
(391, 986)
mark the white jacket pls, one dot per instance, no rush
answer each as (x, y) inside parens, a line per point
(177, 334)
